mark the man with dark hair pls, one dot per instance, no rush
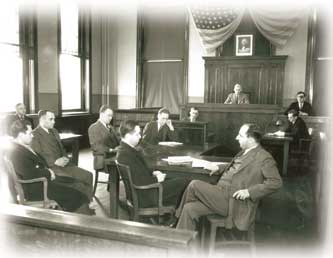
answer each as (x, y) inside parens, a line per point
(20, 114)
(29, 165)
(193, 115)
(251, 175)
(47, 143)
(160, 130)
(296, 128)
(238, 97)
(102, 137)
(301, 106)
(141, 174)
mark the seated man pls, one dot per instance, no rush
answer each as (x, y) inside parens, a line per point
(296, 128)
(301, 106)
(30, 165)
(193, 115)
(251, 175)
(238, 97)
(20, 114)
(141, 173)
(102, 137)
(160, 130)
(47, 143)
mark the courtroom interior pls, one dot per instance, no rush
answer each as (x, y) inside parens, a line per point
(166, 129)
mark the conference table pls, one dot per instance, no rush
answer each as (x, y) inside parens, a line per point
(153, 155)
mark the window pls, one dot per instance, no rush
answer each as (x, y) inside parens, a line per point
(17, 63)
(74, 58)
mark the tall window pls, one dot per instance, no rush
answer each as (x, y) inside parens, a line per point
(17, 53)
(74, 58)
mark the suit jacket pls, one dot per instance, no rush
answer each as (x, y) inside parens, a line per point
(298, 131)
(12, 118)
(232, 99)
(152, 135)
(307, 108)
(258, 173)
(101, 140)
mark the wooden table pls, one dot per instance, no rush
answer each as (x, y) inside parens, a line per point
(153, 155)
(72, 140)
(272, 140)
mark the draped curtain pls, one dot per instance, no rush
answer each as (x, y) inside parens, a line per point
(275, 24)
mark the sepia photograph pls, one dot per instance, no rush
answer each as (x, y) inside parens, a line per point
(193, 129)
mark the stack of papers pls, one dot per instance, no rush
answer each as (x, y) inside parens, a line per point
(200, 163)
(178, 160)
(170, 143)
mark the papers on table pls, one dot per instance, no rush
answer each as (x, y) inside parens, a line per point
(196, 163)
(170, 143)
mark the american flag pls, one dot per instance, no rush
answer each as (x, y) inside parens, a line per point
(215, 24)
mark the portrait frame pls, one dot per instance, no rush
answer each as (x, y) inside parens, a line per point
(244, 44)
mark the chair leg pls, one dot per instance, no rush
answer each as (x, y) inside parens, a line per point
(212, 239)
(96, 182)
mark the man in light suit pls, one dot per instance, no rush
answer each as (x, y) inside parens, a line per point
(160, 130)
(301, 106)
(29, 165)
(102, 137)
(238, 97)
(251, 175)
(47, 143)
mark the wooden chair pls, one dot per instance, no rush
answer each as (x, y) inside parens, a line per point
(18, 189)
(216, 221)
(132, 192)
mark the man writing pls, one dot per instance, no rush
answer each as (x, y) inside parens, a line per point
(251, 175)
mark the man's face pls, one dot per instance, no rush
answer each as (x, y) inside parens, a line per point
(242, 137)
(20, 110)
(162, 118)
(49, 120)
(135, 136)
(107, 116)
(237, 89)
(292, 118)
(26, 137)
(194, 114)
(300, 98)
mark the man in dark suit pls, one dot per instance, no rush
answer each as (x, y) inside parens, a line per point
(251, 175)
(20, 114)
(47, 143)
(301, 106)
(193, 115)
(29, 165)
(296, 129)
(141, 174)
(237, 97)
(102, 137)
(160, 130)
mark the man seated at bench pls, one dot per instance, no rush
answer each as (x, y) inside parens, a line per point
(29, 165)
(251, 175)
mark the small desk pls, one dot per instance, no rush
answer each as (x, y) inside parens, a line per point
(153, 155)
(272, 140)
(72, 140)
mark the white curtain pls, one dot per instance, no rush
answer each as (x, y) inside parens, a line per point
(276, 24)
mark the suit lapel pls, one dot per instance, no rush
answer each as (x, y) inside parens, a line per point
(249, 157)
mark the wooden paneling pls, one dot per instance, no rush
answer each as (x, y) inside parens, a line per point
(262, 78)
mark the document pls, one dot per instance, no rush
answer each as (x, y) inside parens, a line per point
(201, 163)
(178, 160)
(170, 143)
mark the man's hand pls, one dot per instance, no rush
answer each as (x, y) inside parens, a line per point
(159, 175)
(53, 176)
(213, 169)
(62, 162)
(169, 124)
(241, 194)
(279, 133)
(303, 113)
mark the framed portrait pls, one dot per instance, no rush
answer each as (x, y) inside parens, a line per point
(244, 45)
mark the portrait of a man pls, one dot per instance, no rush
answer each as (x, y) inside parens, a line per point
(244, 45)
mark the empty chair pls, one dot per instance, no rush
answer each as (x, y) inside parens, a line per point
(132, 193)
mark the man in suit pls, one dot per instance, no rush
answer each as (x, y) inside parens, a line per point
(129, 155)
(301, 106)
(29, 165)
(160, 130)
(251, 175)
(20, 114)
(193, 115)
(47, 143)
(102, 137)
(296, 129)
(237, 97)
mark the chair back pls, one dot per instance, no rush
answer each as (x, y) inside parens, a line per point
(125, 173)
(14, 181)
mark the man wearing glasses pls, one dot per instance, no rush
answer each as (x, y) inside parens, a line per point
(301, 106)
